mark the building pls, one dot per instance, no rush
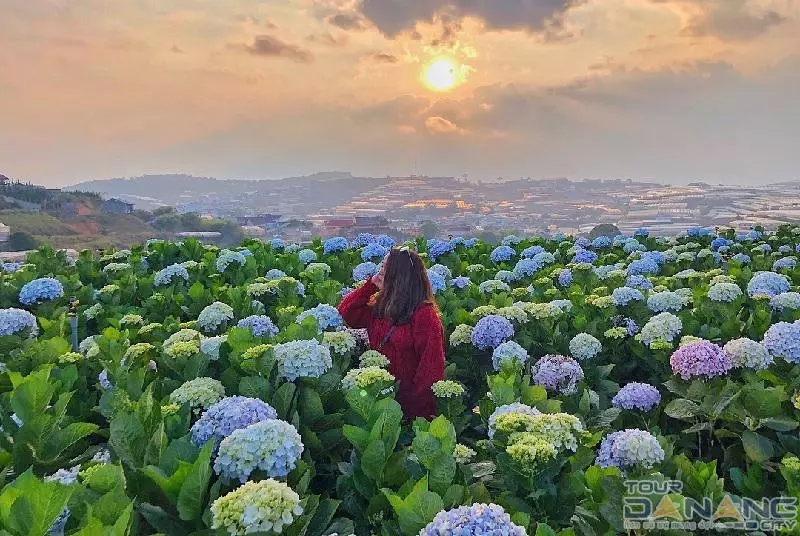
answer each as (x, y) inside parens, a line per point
(5, 232)
(116, 206)
(261, 220)
(4, 180)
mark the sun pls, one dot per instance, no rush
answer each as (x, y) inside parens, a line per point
(441, 74)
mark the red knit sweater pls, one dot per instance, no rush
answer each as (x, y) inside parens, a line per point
(415, 350)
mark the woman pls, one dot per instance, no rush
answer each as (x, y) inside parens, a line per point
(398, 309)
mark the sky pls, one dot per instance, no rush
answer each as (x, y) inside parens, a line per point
(665, 90)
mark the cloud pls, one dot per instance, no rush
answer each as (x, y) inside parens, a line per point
(326, 38)
(267, 45)
(393, 17)
(347, 21)
(440, 125)
(384, 57)
(729, 20)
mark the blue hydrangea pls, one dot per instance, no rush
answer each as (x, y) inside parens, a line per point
(461, 282)
(532, 251)
(699, 232)
(665, 301)
(327, 316)
(565, 277)
(302, 359)
(502, 254)
(274, 273)
(470, 243)
(564, 305)
(506, 276)
(17, 321)
(582, 242)
(602, 271)
(785, 301)
(437, 248)
(169, 274)
(785, 248)
(767, 284)
(335, 244)
(601, 242)
(763, 248)
(441, 269)
(558, 373)
(306, 256)
(632, 245)
(226, 257)
(363, 239)
(41, 290)
(720, 242)
(641, 232)
(272, 446)
(214, 316)
(627, 449)
(544, 258)
(478, 520)
(643, 267)
(277, 244)
(508, 351)
(526, 268)
(229, 414)
(724, 292)
(260, 325)
(783, 340)
(584, 346)
(656, 256)
(511, 240)
(364, 271)
(624, 295)
(491, 331)
(584, 256)
(637, 396)
(493, 285)
(437, 281)
(638, 281)
(386, 241)
(785, 263)
(11, 267)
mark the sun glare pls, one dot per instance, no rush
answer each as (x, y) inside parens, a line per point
(441, 74)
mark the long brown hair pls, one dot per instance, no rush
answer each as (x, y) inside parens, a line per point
(405, 286)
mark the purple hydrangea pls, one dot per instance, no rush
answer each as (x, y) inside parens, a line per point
(477, 520)
(229, 414)
(584, 256)
(260, 325)
(635, 395)
(491, 331)
(626, 449)
(783, 340)
(700, 359)
(565, 277)
(502, 254)
(557, 373)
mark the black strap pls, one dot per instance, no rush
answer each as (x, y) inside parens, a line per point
(386, 337)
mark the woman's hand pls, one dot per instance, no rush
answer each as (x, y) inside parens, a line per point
(377, 279)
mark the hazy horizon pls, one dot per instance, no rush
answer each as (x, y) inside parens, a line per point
(668, 91)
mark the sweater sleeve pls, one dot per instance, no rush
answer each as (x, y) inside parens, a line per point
(429, 344)
(354, 307)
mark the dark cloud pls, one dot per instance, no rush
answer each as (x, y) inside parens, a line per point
(393, 17)
(384, 57)
(327, 39)
(347, 21)
(267, 45)
(732, 20)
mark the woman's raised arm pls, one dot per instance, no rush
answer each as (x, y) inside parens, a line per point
(354, 307)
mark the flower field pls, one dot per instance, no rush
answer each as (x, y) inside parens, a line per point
(218, 392)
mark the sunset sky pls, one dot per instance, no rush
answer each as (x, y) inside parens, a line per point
(670, 90)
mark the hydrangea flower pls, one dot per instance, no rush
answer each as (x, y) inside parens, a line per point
(264, 506)
(768, 284)
(638, 281)
(11, 267)
(514, 407)
(373, 358)
(641, 232)
(199, 393)
(584, 346)
(627, 449)
(441, 269)
(437, 248)
(506, 276)
(274, 273)
(663, 326)
(210, 346)
(502, 254)
(601, 242)
(272, 446)
(229, 414)
(461, 282)
(478, 519)
(741, 258)
(785, 301)
(526, 267)
(302, 359)
(638, 396)
(214, 316)
(17, 321)
(364, 271)
(340, 342)
(507, 352)
(327, 316)
(532, 251)
(366, 376)
(622, 296)
(374, 251)
(226, 257)
(785, 263)
(643, 267)
(557, 373)
(493, 285)
(462, 334)
(700, 359)
(363, 239)
(307, 256)
(438, 283)
(259, 325)
(783, 340)
(41, 290)
(665, 301)
(565, 277)
(584, 255)
(335, 244)
(564, 305)
(724, 292)
(747, 353)
(447, 389)
(490, 331)
(277, 244)
(632, 245)
(463, 454)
